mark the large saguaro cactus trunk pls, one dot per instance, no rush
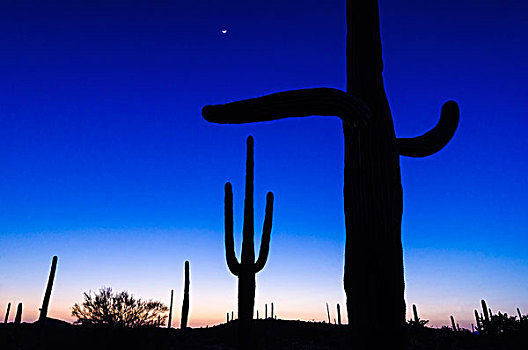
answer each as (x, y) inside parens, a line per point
(373, 273)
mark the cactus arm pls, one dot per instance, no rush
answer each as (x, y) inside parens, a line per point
(266, 234)
(435, 139)
(231, 259)
(297, 103)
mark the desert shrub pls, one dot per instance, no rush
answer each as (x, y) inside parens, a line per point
(118, 309)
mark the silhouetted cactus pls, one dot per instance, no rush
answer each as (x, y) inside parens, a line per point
(373, 199)
(272, 311)
(47, 295)
(453, 323)
(9, 308)
(185, 306)
(266, 311)
(18, 316)
(328, 312)
(169, 323)
(227, 317)
(246, 269)
(415, 312)
(478, 321)
(486, 312)
(338, 314)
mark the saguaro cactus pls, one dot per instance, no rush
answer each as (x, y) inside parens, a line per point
(169, 323)
(246, 269)
(415, 312)
(338, 314)
(373, 202)
(18, 316)
(453, 323)
(485, 310)
(478, 321)
(47, 295)
(185, 306)
(328, 313)
(9, 308)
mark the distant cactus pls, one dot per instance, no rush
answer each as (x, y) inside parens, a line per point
(417, 321)
(227, 317)
(9, 308)
(338, 314)
(478, 320)
(169, 323)
(257, 315)
(18, 317)
(415, 312)
(47, 295)
(453, 323)
(328, 312)
(246, 269)
(272, 310)
(185, 306)
(485, 310)
(266, 311)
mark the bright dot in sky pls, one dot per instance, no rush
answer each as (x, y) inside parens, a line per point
(224, 31)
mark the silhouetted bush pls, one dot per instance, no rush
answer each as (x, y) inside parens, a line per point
(118, 309)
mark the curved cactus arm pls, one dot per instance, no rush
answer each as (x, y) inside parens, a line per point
(266, 234)
(231, 259)
(296, 103)
(435, 139)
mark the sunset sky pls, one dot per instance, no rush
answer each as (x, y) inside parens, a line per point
(106, 162)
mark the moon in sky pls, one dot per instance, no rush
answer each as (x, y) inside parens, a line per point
(224, 31)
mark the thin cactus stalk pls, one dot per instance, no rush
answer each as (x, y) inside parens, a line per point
(246, 269)
(18, 316)
(9, 308)
(227, 317)
(478, 321)
(472, 328)
(272, 310)
(415, 312)
(47, 295)
(328, 312)
(518, 313)
(266, 311)
(486, 311)
(257, 315)
(373, 198)
(232, 315)
(185, 306)
(338, 314)
(453, 323)
(458, 327)
(169, 323)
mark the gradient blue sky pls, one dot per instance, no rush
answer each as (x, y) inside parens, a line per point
(106, 162)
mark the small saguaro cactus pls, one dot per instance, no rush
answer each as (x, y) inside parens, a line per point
(415, 312)
(485, 310)
(47, 295)
(9, 308)
(227, 317)
(453, 323)
(338, 314)
(185, 306)
(272, 313)
(169, 323)
(246, 269)
(18, 317)
(478, 320)
(266, 311)
(328, 312)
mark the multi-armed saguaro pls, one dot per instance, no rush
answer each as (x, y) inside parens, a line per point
(246, 269)
(373, 202)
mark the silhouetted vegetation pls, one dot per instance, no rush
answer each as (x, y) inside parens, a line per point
(18, 316)
(417, 321)
(118, 309)
(373, 199)
(47, 294)
(246, 269)
(7, 312)
(185, 305)
(169, 322)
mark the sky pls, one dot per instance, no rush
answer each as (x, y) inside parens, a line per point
(106, 162)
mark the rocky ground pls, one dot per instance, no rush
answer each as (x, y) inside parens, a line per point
(269, 334)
